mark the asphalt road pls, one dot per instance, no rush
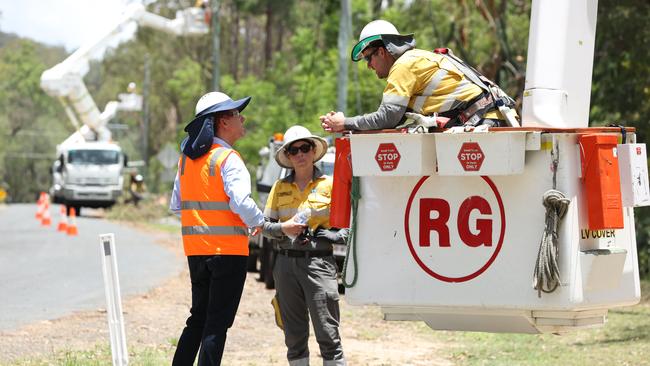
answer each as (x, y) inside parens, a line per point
(45, 274)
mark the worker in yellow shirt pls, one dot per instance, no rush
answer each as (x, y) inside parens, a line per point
(422, 83)
(297, 215)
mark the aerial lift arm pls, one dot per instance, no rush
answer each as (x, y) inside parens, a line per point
(65, 82)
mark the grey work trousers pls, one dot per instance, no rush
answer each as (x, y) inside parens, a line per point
(307, 287)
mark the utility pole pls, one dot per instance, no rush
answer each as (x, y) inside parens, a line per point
(145, 110)
(345, 29)
(215, 44)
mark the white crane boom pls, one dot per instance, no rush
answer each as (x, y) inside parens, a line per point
(65, 80)
(560, 62)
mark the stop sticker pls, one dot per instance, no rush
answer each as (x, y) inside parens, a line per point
(471, 156)
(387, 156)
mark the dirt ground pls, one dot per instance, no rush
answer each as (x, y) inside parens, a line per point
(156, 319)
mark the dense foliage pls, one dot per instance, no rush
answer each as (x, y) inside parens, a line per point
(284, 54)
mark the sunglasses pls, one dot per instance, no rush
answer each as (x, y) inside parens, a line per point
(305, 148)
(368, 57)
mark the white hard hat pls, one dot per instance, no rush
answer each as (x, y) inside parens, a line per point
(295, 133)
(213, 102)
(377, 28)
(374, 31)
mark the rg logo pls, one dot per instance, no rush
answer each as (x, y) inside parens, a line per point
(454, 237)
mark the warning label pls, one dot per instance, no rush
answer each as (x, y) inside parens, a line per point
(387, 157)
(597, 234)
(471, 156)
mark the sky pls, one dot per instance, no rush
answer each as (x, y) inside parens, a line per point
(68, 23)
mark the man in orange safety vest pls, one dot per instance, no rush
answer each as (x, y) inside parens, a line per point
(212, 193)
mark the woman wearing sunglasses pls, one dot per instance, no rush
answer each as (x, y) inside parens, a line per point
(305, 270)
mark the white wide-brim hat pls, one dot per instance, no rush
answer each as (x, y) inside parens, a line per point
(294, 134)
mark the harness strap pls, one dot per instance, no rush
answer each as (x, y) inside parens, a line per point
(477, 108)
(475, 112)
(472, 114)
(471, 73)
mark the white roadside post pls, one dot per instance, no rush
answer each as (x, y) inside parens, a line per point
(113, 300)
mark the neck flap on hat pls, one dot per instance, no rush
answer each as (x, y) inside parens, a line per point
(398, 44)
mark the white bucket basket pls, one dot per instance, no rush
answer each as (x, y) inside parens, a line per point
(481, 153)
(393, 154)
(456, 248)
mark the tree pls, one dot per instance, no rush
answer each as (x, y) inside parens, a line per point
(30, 123)
(20, 94)
(620, 93)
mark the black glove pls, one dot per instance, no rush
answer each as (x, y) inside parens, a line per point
(331, 235)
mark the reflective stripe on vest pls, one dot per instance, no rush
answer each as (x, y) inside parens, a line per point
(428, 90)
(453, 102)
(213, 230)
(209, 227)
(202, 205)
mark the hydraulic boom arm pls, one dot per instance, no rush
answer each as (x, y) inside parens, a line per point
(65, 82)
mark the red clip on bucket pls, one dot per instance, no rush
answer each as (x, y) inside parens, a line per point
(340, 204)
(601, 181)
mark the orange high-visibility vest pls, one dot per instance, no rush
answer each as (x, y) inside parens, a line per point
(209, 227)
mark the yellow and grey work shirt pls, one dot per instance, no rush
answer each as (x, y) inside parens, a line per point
(427, 83)
(285, 199)
(422, 82)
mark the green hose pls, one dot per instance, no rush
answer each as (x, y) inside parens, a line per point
(355, 196)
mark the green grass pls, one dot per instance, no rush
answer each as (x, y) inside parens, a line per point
(624, 340)
(150, 213)
(101, 356)
(151, 209)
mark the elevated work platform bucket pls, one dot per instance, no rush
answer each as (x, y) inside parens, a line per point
(452, 237)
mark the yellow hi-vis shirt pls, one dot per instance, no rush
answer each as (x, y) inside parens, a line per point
(427, 83)
(285, 199)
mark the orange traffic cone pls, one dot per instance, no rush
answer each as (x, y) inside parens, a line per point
(39, 206)
(47, 219)
(63, 220)
(72, 225)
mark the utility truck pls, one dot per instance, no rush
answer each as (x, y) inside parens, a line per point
(518, 229)
(88, 174)
(88, 168)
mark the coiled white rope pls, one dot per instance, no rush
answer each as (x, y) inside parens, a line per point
(547, 272)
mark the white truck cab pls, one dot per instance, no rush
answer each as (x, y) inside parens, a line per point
(88, 174)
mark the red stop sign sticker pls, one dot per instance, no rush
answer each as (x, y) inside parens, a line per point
(471, 156)
(387, 157)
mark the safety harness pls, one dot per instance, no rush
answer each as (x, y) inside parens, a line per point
(475, 110)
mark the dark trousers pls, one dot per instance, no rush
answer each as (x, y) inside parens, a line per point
(217, 285)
